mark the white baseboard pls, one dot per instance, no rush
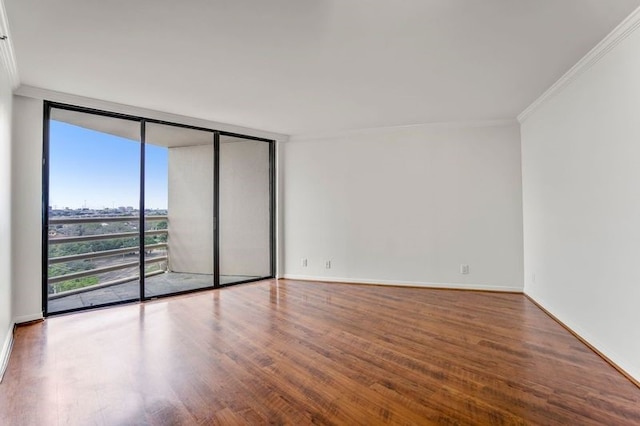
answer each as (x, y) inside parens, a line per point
(627, 369)
(6, 351)
(8, 341)
(453, 286)
(27, 318)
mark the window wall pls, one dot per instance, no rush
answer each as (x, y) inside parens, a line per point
(135, 209)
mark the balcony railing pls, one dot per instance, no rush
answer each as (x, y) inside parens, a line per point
(104, 273)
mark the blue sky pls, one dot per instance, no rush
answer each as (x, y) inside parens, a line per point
(99, 170)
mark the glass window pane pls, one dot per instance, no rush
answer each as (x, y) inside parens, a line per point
(94, 181)
(178, 209)
(245, 248)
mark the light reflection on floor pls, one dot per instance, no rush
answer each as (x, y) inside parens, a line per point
(157, 285)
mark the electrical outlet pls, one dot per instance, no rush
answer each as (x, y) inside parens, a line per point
(304, 262)
(464, 268)
(327, 264)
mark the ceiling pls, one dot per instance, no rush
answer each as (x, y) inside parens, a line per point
(306, 66)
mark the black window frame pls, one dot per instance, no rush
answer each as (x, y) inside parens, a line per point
(216, 134)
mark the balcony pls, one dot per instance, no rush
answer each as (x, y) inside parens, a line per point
(95, 260)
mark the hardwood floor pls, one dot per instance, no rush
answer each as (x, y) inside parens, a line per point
(287, 352)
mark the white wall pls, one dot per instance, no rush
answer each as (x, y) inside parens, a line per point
(581, 185)
(191, 209)
(6, 313)
(406, 206)
(26, 197)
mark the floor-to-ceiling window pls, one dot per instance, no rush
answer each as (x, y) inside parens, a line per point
(188, 190)
(93, 210)
(136, 208)
(245, 223)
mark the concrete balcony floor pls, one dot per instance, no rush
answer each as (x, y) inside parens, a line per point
(157, 285)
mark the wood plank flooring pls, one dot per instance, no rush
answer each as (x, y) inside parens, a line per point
(288, 352)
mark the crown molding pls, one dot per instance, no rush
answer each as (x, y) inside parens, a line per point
(304, 137)
(7, 55)
(619, 33)
(67, 98)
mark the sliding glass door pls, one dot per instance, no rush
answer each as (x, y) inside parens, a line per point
(136, 209)
(179, 180)
(245, 203)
